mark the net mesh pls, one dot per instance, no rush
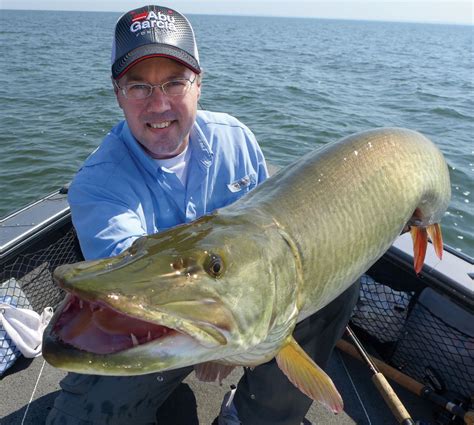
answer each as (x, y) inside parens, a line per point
(27, 282)
(435, 353)
(414, 339)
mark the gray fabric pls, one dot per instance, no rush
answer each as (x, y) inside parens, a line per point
(265, 396)
(110, 400)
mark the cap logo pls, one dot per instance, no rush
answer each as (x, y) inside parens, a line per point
(138, 16)
(147, 20)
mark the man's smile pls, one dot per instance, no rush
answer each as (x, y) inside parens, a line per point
(163, 124)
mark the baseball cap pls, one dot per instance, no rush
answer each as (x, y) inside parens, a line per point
(151, 31)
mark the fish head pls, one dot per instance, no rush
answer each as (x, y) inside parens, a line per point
(191, 294)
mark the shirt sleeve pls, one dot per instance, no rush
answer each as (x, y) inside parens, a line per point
(262, 171)
(105, 224)
(256, 155)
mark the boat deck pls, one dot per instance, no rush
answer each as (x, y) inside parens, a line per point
(29, 388)
(37, 238)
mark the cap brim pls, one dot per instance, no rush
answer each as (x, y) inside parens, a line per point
(123, 64)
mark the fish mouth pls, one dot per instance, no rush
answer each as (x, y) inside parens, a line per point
(99, 328)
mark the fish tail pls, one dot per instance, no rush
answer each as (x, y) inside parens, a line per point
(420, 241)
(436, 238)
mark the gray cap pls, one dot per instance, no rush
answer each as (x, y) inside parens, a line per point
(152, 31)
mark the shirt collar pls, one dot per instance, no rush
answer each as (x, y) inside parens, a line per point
(201, 149)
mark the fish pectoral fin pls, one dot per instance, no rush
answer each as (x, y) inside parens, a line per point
(211, 371)
(308, 377)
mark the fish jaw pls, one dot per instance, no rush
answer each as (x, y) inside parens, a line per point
(110, 324)
(162, 288)
(171, 352)
(90, 337)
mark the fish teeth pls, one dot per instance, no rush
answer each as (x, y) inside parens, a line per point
(148, 337)
(81, 304)
(134, 340)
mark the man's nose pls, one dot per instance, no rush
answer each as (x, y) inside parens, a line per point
(158, 101)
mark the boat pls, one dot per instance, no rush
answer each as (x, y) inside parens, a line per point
(419, 325)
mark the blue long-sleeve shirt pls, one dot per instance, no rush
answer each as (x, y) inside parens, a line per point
(121, 193)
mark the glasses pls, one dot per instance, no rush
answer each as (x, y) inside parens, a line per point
(140, 91)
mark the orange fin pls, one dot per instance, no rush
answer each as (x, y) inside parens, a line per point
(436, 238)
(307, 376)
(211, 371)
(420, 241)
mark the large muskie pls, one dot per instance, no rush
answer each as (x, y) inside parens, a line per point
(230, 287)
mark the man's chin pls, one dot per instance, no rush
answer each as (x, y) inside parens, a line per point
(164, 149)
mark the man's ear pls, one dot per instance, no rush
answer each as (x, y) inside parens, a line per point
(198, 84)
(116, 91)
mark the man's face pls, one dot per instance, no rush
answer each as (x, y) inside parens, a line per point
(160, 123)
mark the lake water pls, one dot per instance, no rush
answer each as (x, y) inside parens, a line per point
(297, 83)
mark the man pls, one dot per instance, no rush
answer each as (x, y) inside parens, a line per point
(167, 164)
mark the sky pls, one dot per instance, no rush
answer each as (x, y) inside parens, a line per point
(432, 11)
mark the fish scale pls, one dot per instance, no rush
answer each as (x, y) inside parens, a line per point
(283, 252)
(373, 193)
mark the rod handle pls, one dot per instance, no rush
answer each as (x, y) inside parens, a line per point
(410, 384)
(389, 371)
(392, 400)
(469, 417)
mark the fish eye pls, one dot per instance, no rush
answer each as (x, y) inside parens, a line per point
(214, 266)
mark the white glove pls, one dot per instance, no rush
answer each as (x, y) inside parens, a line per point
(25, 327)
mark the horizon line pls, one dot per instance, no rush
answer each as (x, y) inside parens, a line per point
(433, 22)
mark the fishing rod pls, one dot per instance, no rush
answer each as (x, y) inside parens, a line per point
(385, 389)
(405, 381)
